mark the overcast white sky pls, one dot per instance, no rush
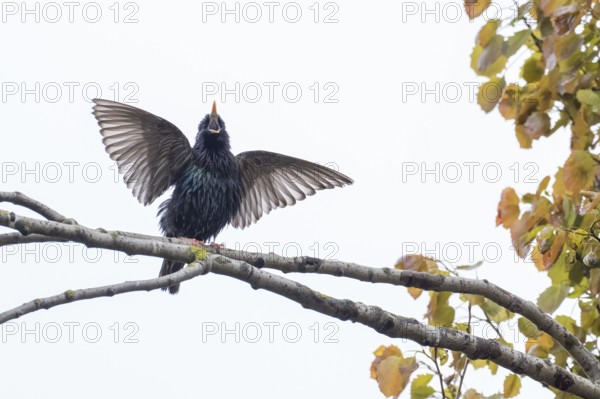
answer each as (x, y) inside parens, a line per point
(381, 89)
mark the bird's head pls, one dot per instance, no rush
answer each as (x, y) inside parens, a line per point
(211, 131)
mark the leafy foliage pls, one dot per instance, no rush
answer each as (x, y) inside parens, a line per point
(557, 43)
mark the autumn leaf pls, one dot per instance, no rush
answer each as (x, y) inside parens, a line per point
(552, 297)
(512, 386)
(439, 312)
(475, 8)
(489, 93)
(508, 208)
(472, 394)
(495, 312)
(579, 172)
(581, 134)
(381, 353)
(487, 32)
(527, 328)
(417, 263)
(392, 370)
(537, 125)
(420, 389)
(524, 140)
(534, 68)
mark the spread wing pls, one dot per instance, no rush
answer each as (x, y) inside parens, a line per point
(149, 151)
(273, 181)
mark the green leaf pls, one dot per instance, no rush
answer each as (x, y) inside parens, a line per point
(552, 297)
(528, 329)
(492, 60)
(589, 97)
(487, 32)
(495, 312)
(419, 388)
(489, 93)
(512, 386)
(516, 41)
(534, 68)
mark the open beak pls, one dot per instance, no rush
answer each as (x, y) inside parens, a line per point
(213, 123)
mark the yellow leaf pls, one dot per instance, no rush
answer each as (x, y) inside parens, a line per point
(579, 172)
(546, 341)
(419, 388)
(417, 263)
(393, 374)
(524, 140)
(581, 134)
(415, 292)
(508, 208)
(512, 386)
(489, 93)
(555, 250)
(472, 394)
(381, 353)
(487, 32)
(439, 312)
(475, 8)
(534, 68)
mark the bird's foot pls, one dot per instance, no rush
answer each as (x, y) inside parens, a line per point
(217, 246)
(193, 241)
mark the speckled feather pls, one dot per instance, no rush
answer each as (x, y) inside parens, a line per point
(213, 187)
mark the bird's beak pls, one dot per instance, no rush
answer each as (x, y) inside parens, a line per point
(213, 123)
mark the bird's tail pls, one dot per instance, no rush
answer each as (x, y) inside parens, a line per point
(168, 267)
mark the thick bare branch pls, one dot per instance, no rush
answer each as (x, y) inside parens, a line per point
(18, 238)
(33, 230)
(431, 282)
(371, 316)
(401, 327)
(21, 199)
(97, 238)
(195, 269)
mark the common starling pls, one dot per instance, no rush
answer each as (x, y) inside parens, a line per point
(213, 187)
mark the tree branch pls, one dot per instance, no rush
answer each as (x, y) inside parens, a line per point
(374, 317)
(35, 230)
(21, 199)
(395, 326)
(430, 282)
(99, 238)
(187, 273)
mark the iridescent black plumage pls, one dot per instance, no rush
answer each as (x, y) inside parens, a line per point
(213, 187)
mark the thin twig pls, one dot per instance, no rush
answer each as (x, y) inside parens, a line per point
(439, 372)
(69, 296)
(464, 370)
